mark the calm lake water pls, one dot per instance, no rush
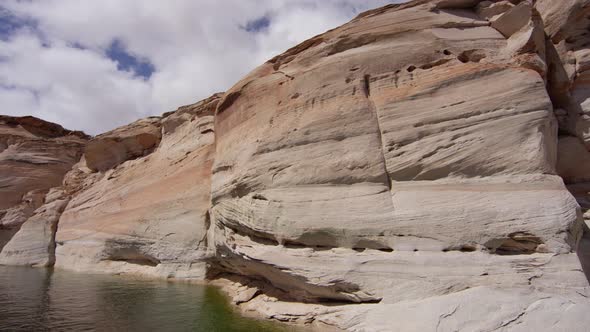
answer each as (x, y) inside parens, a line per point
(45, 299)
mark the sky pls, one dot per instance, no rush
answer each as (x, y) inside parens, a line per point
(96, 65)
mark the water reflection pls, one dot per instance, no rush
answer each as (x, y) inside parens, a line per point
(44, 299)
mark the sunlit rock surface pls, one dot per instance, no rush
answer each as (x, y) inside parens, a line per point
(408, 161)
(148, 214)
(424, 167)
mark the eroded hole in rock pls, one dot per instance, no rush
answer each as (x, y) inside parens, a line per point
(129, 252)
(321, 239)
(260, 239)
(140, 261)
(325, 300)
(136, 258)
(372, 244)
(519, 243)
(463, 58)
(467, 248)
(294, 245)
(411, 68)
(259, 197)
(434, 64)
(471, 56)
(240, 190)
(299, 245)
(447, 52)
(462, 248)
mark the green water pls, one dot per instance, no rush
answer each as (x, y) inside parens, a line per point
(43, 300)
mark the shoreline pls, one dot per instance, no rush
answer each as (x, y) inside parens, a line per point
(220, 284)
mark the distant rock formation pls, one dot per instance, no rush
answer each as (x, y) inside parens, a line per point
(420, 168)
(34, 157)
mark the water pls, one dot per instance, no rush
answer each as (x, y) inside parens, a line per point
(45, 299)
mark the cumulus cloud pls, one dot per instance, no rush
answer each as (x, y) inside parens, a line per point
(96, 65)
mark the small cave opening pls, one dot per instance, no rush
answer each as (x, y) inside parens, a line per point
(130, 253)
(471, 56)
(137, 260)
(518, 243)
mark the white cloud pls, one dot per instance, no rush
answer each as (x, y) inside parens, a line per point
(197, 48)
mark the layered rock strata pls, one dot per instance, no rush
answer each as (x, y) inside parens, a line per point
(406, 158)
(147, 212)
(34, 157)
(420, 168)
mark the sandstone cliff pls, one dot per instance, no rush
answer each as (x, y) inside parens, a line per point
(34, 157)
(146, 214)
(420, 168)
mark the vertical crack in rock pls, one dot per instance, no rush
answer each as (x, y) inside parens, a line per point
(52, 243)
(205, 240)
(367, 86)
(373, 109)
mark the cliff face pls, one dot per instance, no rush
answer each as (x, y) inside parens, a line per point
(144, 205)
(34, 157)
(412, 168)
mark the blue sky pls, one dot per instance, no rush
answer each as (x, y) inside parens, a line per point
(258, 24)
(95, 65)
(126, 61)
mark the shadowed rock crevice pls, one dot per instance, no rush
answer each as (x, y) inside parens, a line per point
(287, 286)
(136, 259)
(6, 234)
(227, 101)
(519, 243)
(129, 252)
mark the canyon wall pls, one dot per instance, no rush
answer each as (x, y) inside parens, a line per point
(143, 205)
(34, 157)
(423, 167)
